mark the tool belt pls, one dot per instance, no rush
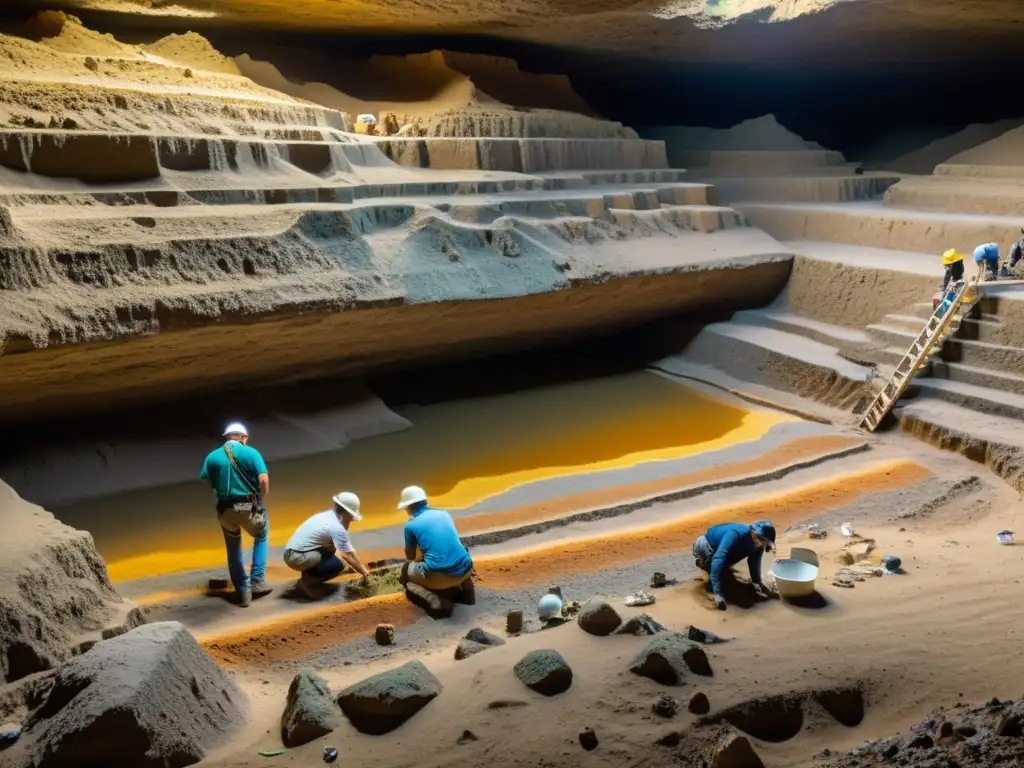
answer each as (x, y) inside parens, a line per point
(250, 505)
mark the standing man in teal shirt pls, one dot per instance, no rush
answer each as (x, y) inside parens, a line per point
(238, 475)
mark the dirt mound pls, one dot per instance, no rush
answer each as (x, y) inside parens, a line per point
(781, 717)
(1005, 149)
(65, 33)
(192, 50)
(986, 736)
(763, 133)
(924, 159)
(56, 588)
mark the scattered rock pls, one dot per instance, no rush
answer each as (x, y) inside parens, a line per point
(699, 704)
(569, 610)
(598, 618)
(467, 648)
(671, 739)
(384, 634)
(699, 635)
(188, 73)
(466, 738)
(891, 562)
(154, 698)
(658, 580)
(667, 657)
(665, 707)
(922, 741)
(544, 671)
(843, 583)
(514, 622)
(310, 712)
(506, 704)
(588, 739)
(734, 751)
(1010, 726)
(483, 637)
(91, 64)
(381, 703)
(641, 624)
(555, 590)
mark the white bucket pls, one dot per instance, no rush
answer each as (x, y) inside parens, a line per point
(794, 578)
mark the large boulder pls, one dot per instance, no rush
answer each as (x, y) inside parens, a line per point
(667, 658)
(310, 711)
(56, 589)
(151, 697)
(598, 618)
(381, 703)
(544, 671)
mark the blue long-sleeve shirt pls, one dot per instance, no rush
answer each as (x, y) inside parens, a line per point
(732, 542)
(433, 531)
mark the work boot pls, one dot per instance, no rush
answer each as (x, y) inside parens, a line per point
(310, 587)
(245, 597)
(468, 596)
(261, 588)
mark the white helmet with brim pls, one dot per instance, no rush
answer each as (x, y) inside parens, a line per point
(236, 428)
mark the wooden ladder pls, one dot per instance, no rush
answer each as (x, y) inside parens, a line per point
(944, 322)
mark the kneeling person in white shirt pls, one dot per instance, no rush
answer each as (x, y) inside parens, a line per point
(320, 548)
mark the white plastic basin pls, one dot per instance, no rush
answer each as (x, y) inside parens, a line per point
(794, 579)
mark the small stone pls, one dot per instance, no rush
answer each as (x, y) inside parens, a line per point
(91, 64)
(658, 580)
(467, 737)
(922, 741)
(665, 707)
(699, 704)
(598, 618)
(384, 634)
(555, 590)
(514, 622)
(544, 671)
(467, 648)
(994, 702)
(945, 730)
(483, 637)
(667, 657)
(571, 609)
(699, 635)
(671, 739)
(734, 751)
(588, 739)
(309, 712)
(891, 562)
(642, 624)
(188, 73)
(112, 632)
(1010, 726)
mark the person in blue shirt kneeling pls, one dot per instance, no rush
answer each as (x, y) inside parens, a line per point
(438, 561)
(726, 544)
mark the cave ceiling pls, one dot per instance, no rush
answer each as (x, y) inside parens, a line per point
(729, 31)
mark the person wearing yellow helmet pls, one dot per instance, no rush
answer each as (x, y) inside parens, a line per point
(953, 261)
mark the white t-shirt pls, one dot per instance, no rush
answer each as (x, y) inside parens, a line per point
(322, 531)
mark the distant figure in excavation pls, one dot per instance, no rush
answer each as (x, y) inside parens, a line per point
(987, 258)
(1017, 250)
(320, 548)
(238, 475)
(726, 544)
(953, 261)
(438, 561)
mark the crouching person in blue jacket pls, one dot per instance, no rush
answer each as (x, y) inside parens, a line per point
(726, 544)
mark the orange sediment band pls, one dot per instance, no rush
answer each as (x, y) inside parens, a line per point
(303, 633)
(541, 564)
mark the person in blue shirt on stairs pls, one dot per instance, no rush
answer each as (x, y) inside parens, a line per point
(239, 478)
(438, 561)
(726, 544)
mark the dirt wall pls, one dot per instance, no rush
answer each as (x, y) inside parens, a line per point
(308, 345)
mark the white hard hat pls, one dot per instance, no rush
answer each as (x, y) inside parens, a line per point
(236, 428)
(349, 502)
(412, 495)
(549, 607)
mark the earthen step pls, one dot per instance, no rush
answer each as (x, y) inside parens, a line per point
(874, 225)
(994, 402)
(798, 188)
(958, 195)
(980, 377)
(980, 354)
(788, 322)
